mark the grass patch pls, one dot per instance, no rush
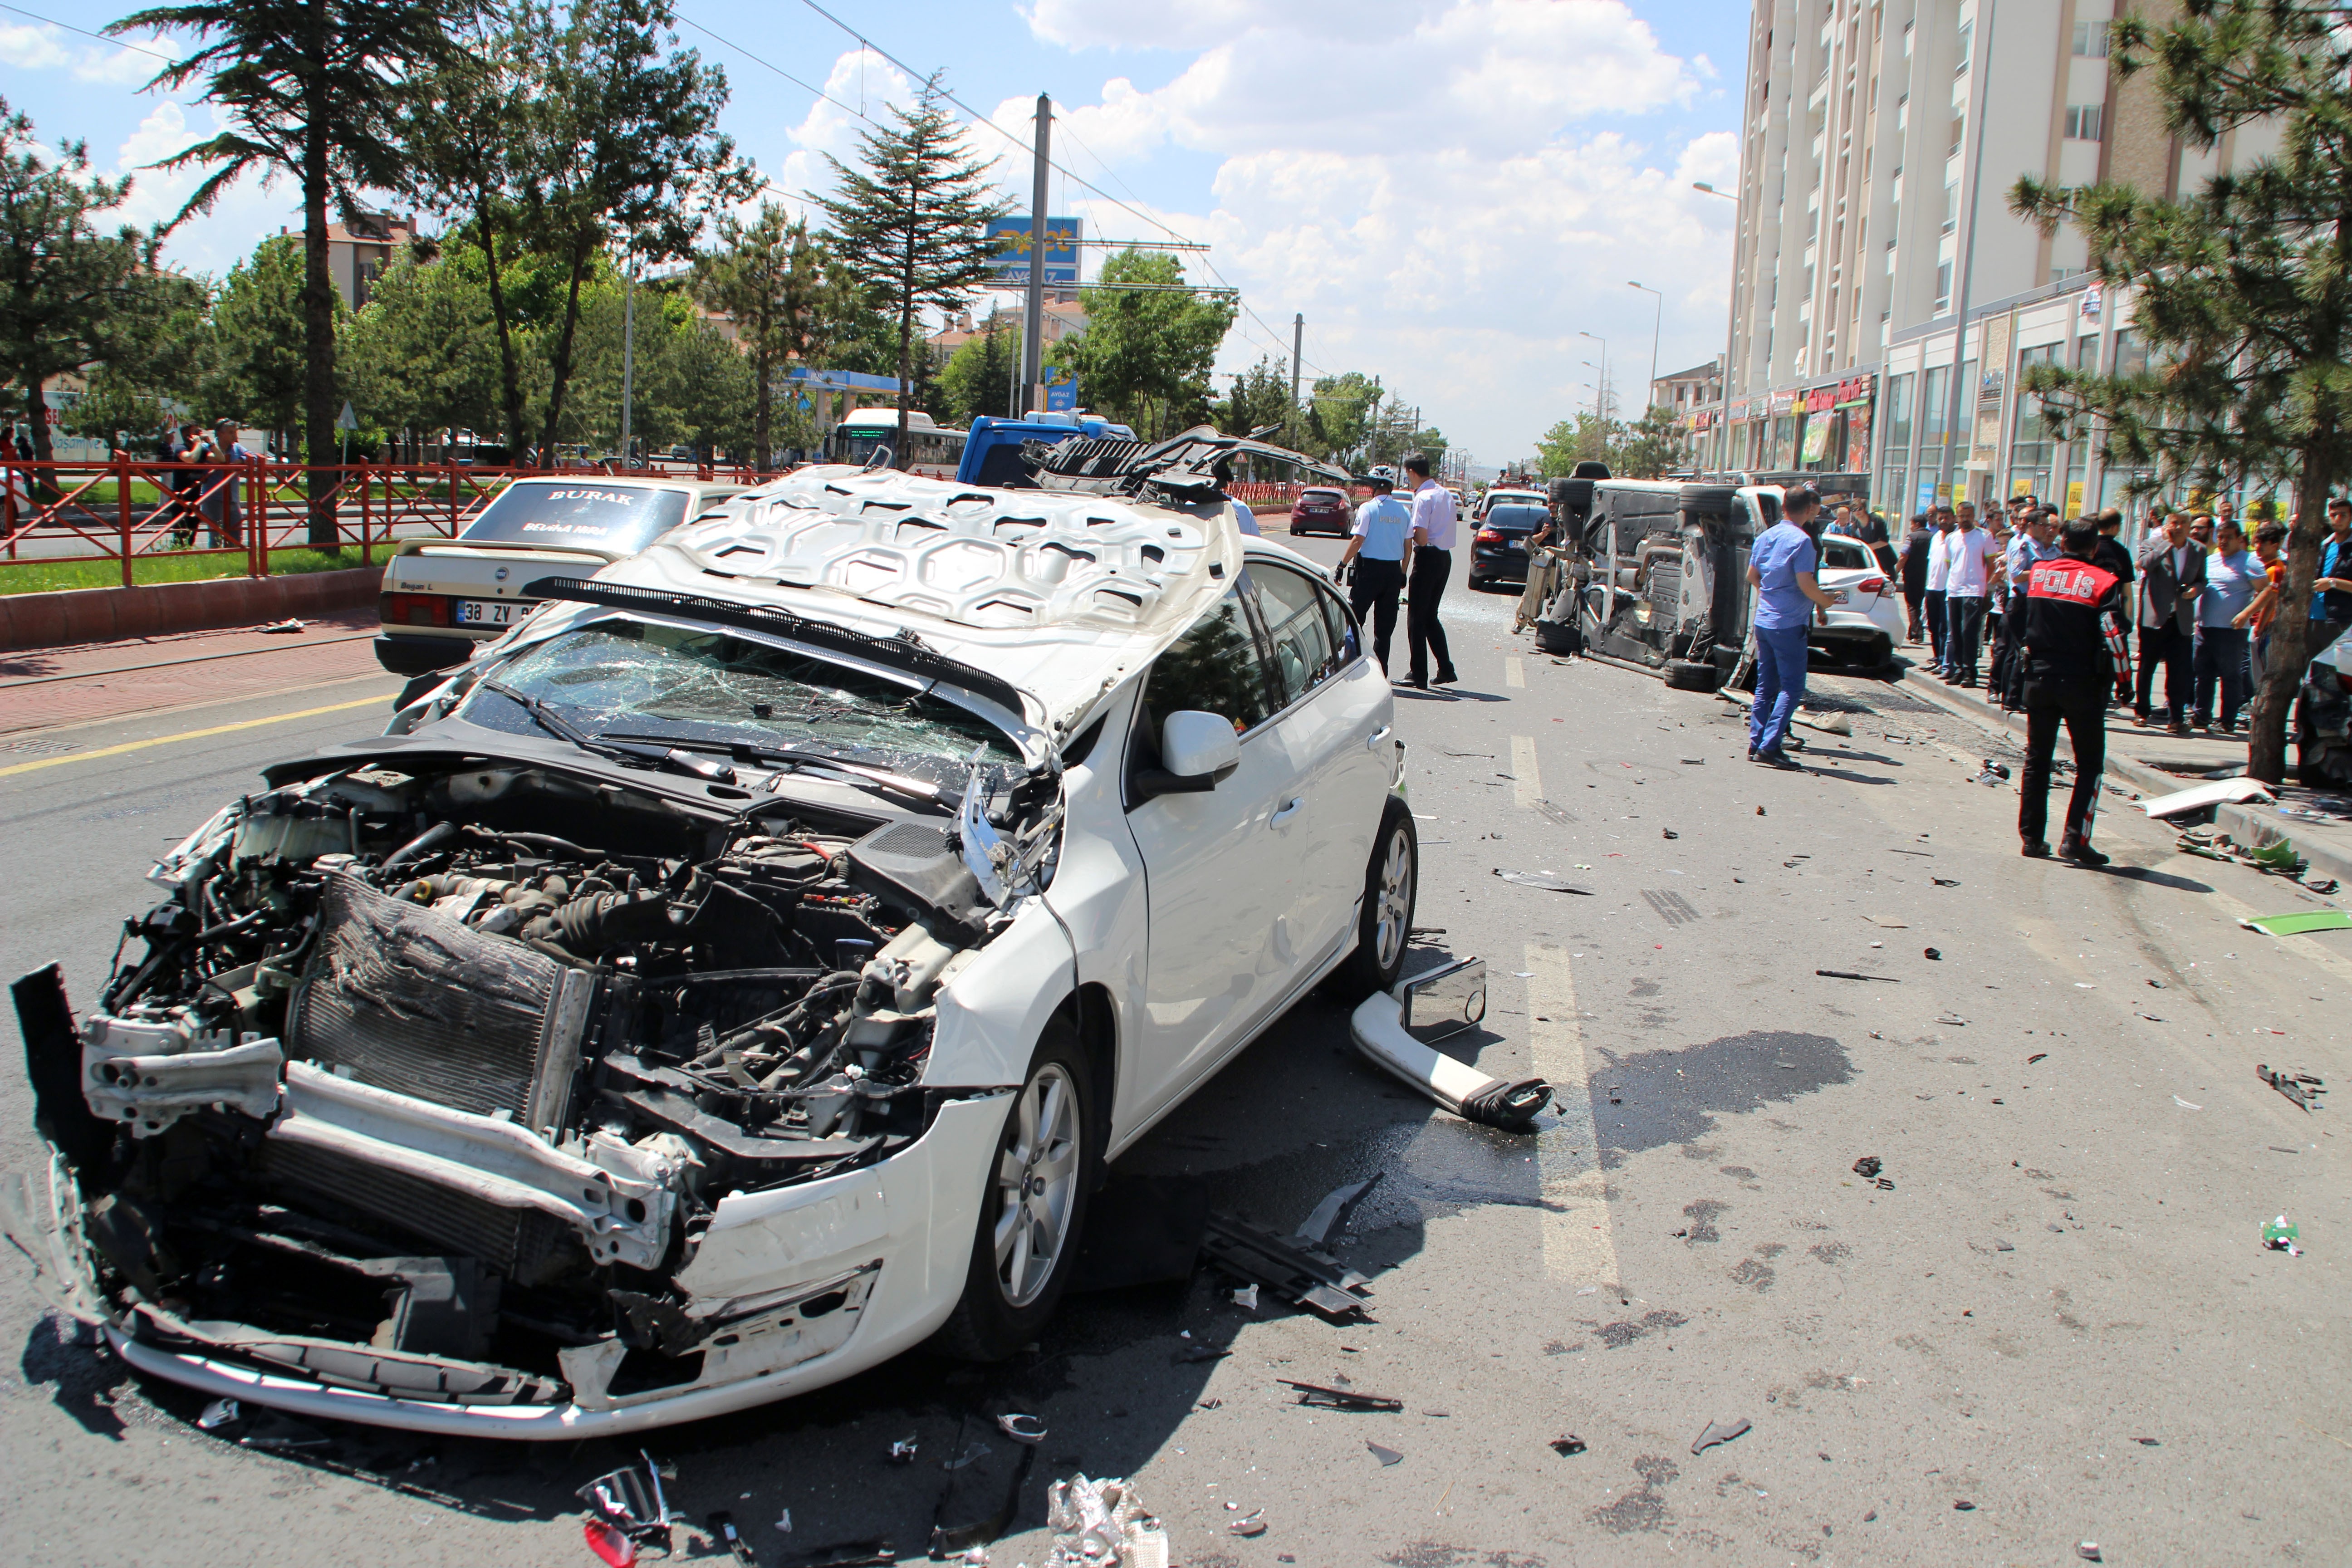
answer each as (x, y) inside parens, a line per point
(49, 576)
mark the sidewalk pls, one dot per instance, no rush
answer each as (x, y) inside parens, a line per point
(41, 689)
(2152, 762)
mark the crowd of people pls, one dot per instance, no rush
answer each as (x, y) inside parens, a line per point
(2200, 599)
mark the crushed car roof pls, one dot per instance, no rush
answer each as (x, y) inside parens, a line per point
(1015, 581)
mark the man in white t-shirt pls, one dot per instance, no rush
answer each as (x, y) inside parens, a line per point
(1940, 572)
(1975, 558)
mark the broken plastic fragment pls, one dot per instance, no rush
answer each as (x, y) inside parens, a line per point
(2280, 1235)
(1542, 879)
(1247, 1297)
(1868, 1165)
(2088, 1551)
(611, 1547)
(1932, 953)
(1387, 1457)
(1249, 1524)
(1719, 1432)
(219, 1412)
(721, 1524)
(2299, 1086)
(1569, 1446)
(1021, 1428)
(1340, 1398)
(976, 1452)
(902, 1452)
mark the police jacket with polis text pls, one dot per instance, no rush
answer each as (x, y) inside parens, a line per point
(2067, 602)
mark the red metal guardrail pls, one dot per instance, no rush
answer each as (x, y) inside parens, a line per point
(130, 512)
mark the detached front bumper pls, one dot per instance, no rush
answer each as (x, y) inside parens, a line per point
(840, 1274)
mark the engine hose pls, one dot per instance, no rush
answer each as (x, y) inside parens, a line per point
(432, 838)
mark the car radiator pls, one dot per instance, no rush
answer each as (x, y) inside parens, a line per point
(525, 1245)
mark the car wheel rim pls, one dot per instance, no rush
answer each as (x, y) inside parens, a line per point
(1037, 1186)
(1395, 901)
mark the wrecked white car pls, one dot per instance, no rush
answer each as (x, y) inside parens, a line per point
(738, 975)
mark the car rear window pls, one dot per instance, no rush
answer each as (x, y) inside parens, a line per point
(1845, 555)
(1518, 519)
(1320, 495)
(620, 520)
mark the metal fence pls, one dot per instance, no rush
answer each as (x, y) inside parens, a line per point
(132, 511)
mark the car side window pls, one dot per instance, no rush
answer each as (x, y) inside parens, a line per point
(1214, 668)
(1304, 653)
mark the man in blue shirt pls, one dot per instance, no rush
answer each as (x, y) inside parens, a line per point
(1376, 557)
(2331, 608)
(1781, 568)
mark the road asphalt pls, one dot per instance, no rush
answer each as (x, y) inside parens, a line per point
(2050, 1320)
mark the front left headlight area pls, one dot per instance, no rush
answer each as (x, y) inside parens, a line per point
(500, 1088)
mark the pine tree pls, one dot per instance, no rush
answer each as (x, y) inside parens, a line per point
(314, 88)
(2244, 291)
(770, 276)
(911, 221)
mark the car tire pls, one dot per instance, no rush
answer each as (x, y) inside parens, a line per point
(1015, 1279)
(1384, 920)
(1689, 675)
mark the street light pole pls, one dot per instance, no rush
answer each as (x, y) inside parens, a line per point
(1656, 327)
(1730, 330)
(1032, 327)
(1600, 398)
(628, 353)
(1979, 91)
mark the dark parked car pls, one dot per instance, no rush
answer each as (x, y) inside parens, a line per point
(1321, 510)
(1498, 550)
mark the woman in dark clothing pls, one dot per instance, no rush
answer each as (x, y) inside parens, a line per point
(1914, 571)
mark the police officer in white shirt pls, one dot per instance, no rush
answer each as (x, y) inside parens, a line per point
(1375, 556)
(1432, 559)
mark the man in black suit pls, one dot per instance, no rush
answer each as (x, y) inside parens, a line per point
(2171, 577)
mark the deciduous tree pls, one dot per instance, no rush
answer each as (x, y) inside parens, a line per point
(771, 276)
(1146, 351)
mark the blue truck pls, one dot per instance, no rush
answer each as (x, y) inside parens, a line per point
(992, 452)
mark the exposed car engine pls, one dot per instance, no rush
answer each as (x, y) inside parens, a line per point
(412, 1098)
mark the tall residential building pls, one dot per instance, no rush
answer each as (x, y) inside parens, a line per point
(1880, 140)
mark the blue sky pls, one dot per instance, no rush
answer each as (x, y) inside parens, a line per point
(1451, 191)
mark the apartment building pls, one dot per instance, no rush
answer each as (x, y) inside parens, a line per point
(1880, 140)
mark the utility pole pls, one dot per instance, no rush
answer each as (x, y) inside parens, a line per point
(1297, 345)
(1980, 90)
(628, 353)
(1033, 326)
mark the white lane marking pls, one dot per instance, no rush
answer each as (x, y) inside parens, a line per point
(1527, 784)
(1578, 1242)
(1515, 672)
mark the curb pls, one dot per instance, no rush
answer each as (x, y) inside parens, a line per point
(153, 609)
(2240, 821)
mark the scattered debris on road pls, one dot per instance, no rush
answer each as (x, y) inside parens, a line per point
(1316, 1230)
(1868, 1165)
(1542, 881)
(1248, 1525)
(1312, 1278)
(1850, 974)
(1387, 1457)
(1101, 1523)
(283, 628)
(902, 1452)
(1246, 1297)
(1719, 1433)
(1935, 953)
(1021, 1428)
(721, 1524)
(2036, 1057)
(2300, 922)
(1668, 833)
(1317, 1394)
(2281, 1235)
(1567, 1448)
(2088, 1551)
(2299, 1086)
(219, 1412)
(628, 1505)
(2200, 798)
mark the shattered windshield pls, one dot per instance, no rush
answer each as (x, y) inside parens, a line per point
(624, 681)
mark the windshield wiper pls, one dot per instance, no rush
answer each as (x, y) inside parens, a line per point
(562, 729)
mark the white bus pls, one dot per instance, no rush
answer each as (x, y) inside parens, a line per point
(932, 449)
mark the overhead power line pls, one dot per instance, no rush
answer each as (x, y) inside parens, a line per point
(167, 60)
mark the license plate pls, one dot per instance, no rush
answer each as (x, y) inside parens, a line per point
(492, 612)
(1838, 596)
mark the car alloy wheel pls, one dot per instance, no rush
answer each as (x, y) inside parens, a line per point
(1392, 921)
(1037, 1184)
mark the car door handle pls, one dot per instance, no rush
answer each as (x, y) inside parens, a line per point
(1289, 810)
(1372, 741)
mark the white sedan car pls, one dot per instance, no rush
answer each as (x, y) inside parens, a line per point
(738, 975)
(1865, 623)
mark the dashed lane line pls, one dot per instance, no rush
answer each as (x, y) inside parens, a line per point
(187, 735)
(1527, 784)
(1579, 1243)
(1514, 672)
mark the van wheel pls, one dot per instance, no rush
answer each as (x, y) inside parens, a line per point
(1384, 924)
(1688, 675)
(1033, 1209)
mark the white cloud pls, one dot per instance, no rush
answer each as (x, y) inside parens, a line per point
(1465, 200)
(248, 210)
(46, 47)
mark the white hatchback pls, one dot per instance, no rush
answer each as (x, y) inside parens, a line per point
(733, 977)
(1865, 623)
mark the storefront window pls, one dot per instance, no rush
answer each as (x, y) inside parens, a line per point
(2031, 446)
(1935, 414)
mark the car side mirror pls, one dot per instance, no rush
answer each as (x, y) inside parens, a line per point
(1196, 751)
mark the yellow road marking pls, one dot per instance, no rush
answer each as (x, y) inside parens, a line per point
(1515, 672)
(1578, 1241)
(186, 735)
(1527, 784)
